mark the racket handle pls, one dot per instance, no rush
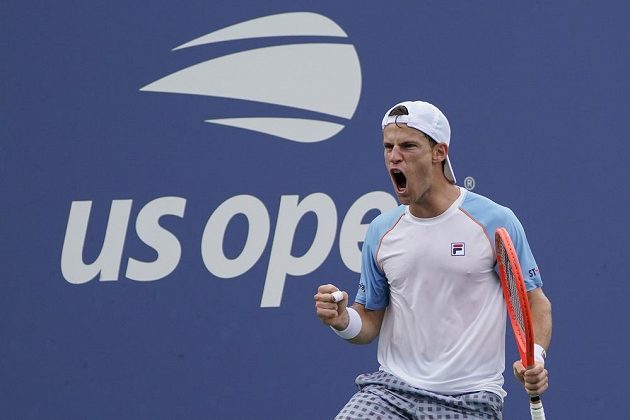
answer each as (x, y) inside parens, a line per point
(536, 408)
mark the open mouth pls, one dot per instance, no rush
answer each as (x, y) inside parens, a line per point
(399, 179)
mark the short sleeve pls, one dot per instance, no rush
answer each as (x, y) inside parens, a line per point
(531, 273)
(373, 290)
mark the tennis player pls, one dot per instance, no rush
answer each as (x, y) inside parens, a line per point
(429, 288)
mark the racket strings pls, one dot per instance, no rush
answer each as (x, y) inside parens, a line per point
(513, 291)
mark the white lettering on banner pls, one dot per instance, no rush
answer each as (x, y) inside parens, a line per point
(73, 268)
(168, 248)
(214, 234)
(281, 262)
(164, 242)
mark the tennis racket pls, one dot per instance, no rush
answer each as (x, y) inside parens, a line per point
(517, 304)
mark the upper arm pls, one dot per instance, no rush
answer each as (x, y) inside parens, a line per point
(373, 290)
(530, 271)
(538, 301)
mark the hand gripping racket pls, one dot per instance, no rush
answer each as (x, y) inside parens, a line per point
(517, 304)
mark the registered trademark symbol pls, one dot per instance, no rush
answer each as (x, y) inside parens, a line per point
(469, 183)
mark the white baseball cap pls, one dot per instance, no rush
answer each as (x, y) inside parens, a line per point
(430, 120)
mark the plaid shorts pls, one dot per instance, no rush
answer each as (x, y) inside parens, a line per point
(383, 396)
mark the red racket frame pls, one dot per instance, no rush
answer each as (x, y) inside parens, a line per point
(525, 337)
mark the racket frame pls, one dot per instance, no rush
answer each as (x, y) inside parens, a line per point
(525, 336)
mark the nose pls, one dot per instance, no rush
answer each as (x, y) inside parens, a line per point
(394, 155)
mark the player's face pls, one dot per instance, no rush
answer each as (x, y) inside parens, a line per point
(409, 160)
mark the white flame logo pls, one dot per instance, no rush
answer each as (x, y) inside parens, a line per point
(320, 77)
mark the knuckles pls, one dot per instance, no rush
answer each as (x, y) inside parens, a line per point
(326, 288)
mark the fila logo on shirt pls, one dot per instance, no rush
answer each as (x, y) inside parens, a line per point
(458, 249)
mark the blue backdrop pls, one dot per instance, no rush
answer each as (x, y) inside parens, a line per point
(194, 300)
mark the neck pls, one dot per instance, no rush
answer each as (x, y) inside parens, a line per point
(435, 200)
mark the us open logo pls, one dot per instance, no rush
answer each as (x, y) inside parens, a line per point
(321, 81)
(458, 249)
(320, 77)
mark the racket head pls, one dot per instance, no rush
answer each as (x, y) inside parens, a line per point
(515, 295)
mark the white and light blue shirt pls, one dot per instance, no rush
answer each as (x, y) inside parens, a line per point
(444, 324)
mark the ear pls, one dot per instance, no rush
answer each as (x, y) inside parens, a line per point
(440, 151)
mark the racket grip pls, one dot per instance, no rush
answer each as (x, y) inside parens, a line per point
(536, 409)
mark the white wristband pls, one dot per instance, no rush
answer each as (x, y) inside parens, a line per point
(539, 354)
(354, 325)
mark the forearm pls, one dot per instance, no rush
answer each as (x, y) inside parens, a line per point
(540, 309)
(535, 378)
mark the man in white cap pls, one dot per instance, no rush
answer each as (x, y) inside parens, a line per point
(429, 288)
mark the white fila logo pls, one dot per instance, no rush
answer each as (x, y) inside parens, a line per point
(458, 249)
(319, 77)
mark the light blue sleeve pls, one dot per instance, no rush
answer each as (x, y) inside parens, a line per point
(493, 216)
(373, 290)
(531, 273)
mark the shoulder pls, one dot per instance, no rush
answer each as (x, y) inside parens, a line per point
(485, 210)
(491, 216)
(389, 218)
(384, 222)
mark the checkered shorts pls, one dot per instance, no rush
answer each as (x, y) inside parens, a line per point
(383, 396)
